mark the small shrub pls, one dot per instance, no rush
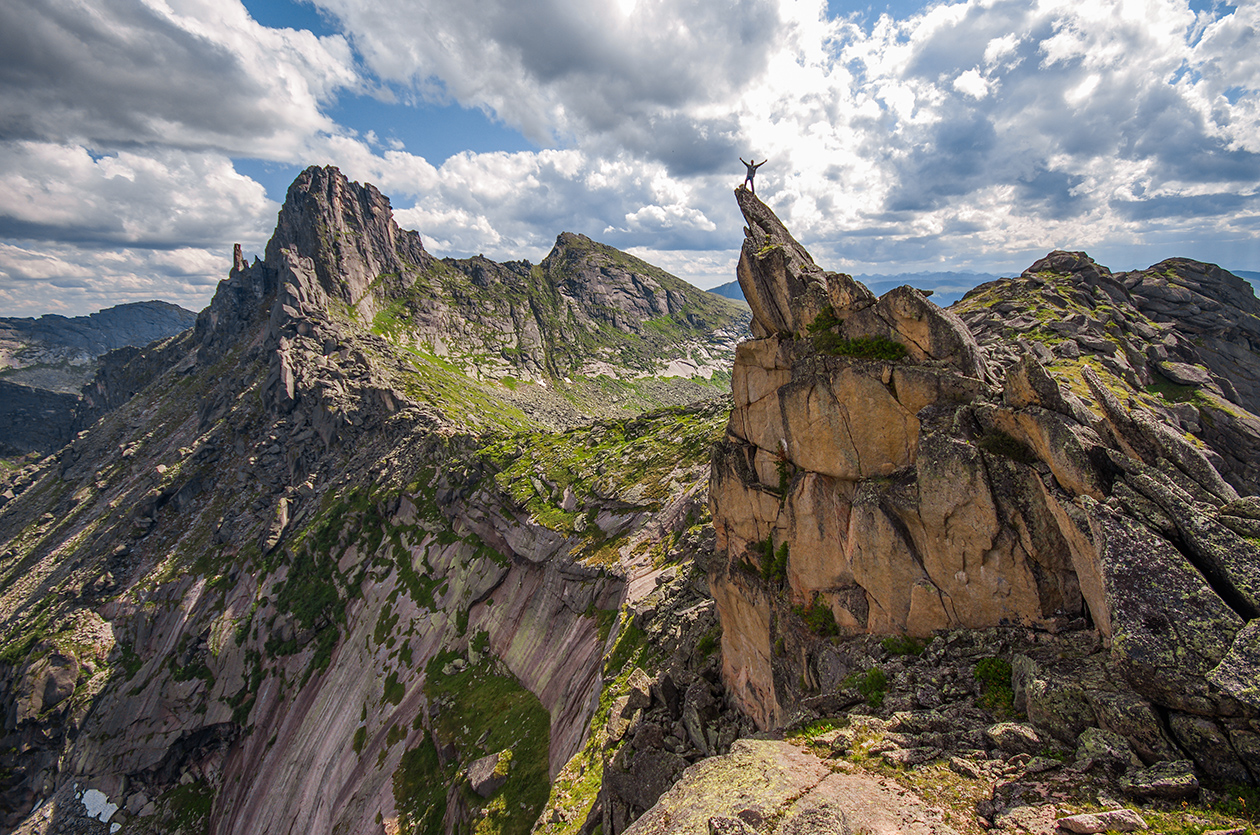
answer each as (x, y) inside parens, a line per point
(828, 339)
(774, 563)
(1239, 801)
(872, 685)
(903, 645)
(862, 347)
(784, 468)
(819, 618)
(996, 694)
(709, 642)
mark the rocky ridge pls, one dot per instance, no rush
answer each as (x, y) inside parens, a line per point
(887, 472)
(590, 329)
(268, 591)
(303, 580)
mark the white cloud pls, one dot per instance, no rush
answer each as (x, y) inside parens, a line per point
(972, 83)
(158, 199)
(977, 134)
(72, 280)
(197, 74)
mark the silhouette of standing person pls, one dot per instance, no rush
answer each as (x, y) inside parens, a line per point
(752, 172)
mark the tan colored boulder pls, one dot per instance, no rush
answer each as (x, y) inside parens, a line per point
(906, 316)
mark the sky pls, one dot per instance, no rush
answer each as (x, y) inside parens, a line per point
(141, 139)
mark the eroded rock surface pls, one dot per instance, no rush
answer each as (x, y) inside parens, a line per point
(764, 786)
(887, 472)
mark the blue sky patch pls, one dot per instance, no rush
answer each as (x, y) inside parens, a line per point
(433, 131)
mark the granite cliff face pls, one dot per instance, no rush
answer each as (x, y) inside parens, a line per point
(323, 563)
(886, 471)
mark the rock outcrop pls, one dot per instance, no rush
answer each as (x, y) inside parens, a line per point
(886, 472)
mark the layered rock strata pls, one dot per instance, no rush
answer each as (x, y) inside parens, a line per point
(949, 485)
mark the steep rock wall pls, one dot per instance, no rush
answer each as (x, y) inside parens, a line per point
(936, 488)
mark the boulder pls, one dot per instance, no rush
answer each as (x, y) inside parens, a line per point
(485, 774)
(1171, 780)
(45, 684)
(1107, 748)
(1132, 717)
(1238, 674)
(1114, 820)
(1011, 738)
(1209, 747)
(763, 773)
(1168, 627)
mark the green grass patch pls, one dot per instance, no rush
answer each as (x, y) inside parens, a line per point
(828, 333)
(420, 790)
(994, 675)
(189, 806)
(394, 689)
(489, 711)
(872, 685)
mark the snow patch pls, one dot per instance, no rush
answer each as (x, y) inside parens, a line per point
(99, 807)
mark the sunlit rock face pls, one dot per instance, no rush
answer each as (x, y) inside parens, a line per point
(884, 471)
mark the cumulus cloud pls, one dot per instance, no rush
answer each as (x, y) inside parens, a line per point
(974, 135)
(72, 280)
(185, 73)
(653, 77)
(164, 199)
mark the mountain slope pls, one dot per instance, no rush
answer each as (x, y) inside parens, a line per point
(589, 331)
(267, 592)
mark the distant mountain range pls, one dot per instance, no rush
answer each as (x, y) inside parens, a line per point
(944, 287)
(46, 362)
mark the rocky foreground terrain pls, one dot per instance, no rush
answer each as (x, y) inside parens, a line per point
(387, 544)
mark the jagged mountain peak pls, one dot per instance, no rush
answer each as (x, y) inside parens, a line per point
(347, 229)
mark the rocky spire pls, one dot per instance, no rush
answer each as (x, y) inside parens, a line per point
(347, 230)
(784, 287)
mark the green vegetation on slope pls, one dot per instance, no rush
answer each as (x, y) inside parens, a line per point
(482, 710)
